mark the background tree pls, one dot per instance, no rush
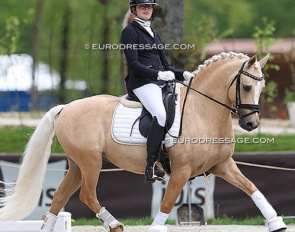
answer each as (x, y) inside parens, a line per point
(169, 21)
(35, 40)
(10, 36)
(290, 60)
(63, 39)
(264, 35)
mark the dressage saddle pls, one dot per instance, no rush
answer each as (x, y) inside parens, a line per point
(145, 118)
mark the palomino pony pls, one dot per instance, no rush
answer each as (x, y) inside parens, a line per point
(83, 128)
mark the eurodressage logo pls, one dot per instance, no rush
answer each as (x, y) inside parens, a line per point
(96, 46)
(51, 181)
(198, 190)
(223, 140)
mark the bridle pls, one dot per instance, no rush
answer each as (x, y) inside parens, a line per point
(254, 108)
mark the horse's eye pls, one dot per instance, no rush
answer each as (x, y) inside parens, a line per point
(247, 88)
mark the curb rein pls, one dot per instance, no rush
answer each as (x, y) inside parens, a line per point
(234, 110)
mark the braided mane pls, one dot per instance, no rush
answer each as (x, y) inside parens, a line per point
(217, 57)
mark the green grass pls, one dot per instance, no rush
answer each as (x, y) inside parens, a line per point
(264, 142)
(246, 221)
(126, 221)
(149, 220)
(14, 140)
(233, 221)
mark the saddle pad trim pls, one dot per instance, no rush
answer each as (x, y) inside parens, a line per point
(130, 104)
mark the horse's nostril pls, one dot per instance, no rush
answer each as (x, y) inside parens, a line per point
(249, 125)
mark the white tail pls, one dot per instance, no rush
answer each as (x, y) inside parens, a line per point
(25, 194)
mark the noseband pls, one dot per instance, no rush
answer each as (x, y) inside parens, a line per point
(252, 107)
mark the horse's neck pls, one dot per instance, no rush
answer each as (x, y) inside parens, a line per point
(206, 115)
(200, 110)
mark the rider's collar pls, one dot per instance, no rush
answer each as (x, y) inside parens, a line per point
(143, 22)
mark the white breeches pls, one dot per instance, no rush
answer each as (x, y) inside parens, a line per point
(150, 96)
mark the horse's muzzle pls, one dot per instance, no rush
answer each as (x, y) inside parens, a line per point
(248, 123)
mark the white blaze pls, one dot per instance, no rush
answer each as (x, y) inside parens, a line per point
(257, 92)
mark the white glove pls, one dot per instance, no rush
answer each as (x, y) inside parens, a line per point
(188, 75)
(166, 75)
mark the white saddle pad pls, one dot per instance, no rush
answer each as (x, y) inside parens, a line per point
(123, 119)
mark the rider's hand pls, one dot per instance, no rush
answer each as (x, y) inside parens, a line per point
(166, 75)
(188, 75)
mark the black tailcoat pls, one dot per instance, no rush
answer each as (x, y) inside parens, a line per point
(145, 57)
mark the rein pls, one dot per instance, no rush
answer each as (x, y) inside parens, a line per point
(235, 110)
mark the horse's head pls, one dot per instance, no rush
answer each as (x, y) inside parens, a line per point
(245, 90)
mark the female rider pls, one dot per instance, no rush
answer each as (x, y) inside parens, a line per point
(148, 70)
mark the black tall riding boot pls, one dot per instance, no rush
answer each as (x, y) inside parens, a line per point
(154, 142)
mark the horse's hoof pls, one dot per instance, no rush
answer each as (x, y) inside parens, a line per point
(117, 229)
(158, 229)
(277, 225)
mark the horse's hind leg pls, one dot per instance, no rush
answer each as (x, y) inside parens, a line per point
(66, 189)
(90, 175)
(230, 172)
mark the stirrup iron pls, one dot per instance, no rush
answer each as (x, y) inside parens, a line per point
(154, 176)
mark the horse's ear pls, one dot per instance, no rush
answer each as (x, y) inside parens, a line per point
(252, 61)
(263, 61)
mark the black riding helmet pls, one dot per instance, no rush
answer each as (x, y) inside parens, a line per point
(140, 2)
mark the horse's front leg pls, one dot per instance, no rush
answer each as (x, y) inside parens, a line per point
(175, 185)
(229, 171)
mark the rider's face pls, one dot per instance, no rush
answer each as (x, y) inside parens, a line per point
(144, 11)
